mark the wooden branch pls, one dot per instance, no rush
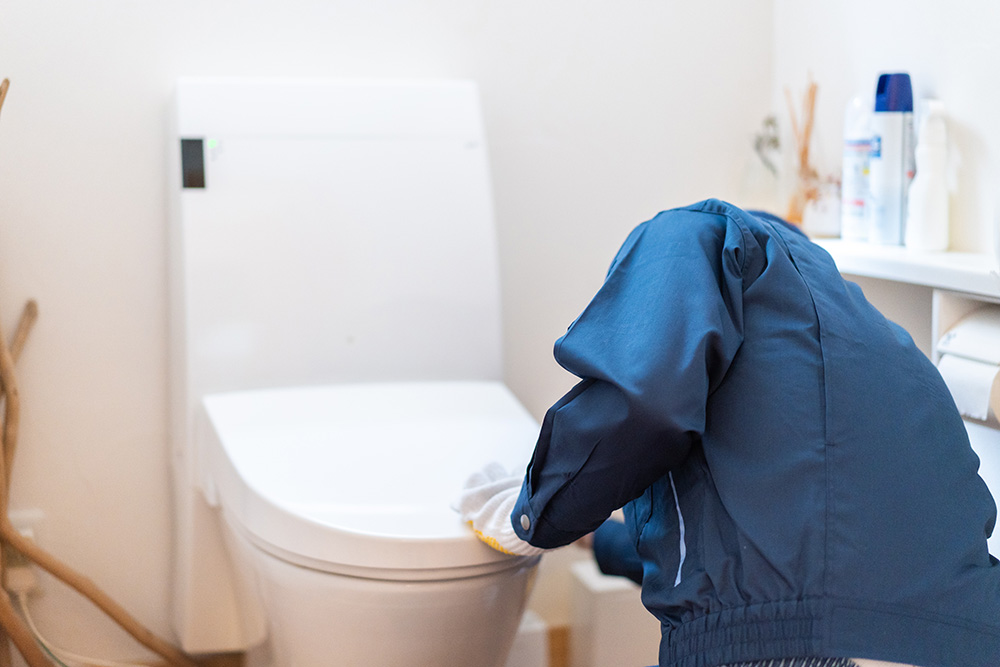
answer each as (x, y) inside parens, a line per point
(791, 115)
(8, 628)
(88, 589)
(6, 659)
(11, 421)
(45, 560)
(21, 635)
(11, 622)
(5, 655)
(28, 317)
(809, 121)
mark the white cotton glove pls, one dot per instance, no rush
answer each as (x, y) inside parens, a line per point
(486, 503)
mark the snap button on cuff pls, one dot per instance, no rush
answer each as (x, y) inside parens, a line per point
(525, 522)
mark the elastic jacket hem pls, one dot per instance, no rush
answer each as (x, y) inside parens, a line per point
(825, 628)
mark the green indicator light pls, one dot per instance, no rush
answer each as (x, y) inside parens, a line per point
(213, 143)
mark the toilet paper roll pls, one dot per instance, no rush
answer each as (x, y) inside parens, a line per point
(975, 337)
(975, 386)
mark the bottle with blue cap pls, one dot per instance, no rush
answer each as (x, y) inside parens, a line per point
(891, 161)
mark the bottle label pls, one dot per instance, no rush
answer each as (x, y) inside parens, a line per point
(854, 178)
(888, 177)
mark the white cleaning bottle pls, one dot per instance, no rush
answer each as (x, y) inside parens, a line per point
(927, 208)
(891, 163)
(854, 174)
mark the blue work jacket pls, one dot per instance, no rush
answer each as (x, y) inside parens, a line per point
(796, 477)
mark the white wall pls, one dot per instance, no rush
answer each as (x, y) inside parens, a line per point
(599, 114)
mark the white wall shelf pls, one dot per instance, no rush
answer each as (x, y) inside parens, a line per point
(970, 273)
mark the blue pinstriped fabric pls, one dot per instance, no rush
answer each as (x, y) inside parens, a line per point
(796, 662)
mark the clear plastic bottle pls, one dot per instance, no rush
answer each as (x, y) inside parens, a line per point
(927, 208)
(854, 174)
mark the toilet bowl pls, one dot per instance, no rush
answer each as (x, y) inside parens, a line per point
(369, 568)
(336, 375)
(329, 619)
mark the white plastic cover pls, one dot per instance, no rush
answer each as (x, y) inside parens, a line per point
(361, 475)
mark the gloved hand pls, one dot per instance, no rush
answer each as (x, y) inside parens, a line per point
(486, 503)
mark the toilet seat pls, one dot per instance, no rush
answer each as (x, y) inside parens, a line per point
(358, 479)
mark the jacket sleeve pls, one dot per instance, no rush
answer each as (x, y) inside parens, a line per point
(615, 551)
(650, 347)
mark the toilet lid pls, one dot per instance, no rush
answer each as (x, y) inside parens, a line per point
(361, 475)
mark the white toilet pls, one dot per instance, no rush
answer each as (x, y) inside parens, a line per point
(335, 371)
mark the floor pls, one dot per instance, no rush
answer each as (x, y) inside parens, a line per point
(226, 660)
(558, 652)
(559, 647)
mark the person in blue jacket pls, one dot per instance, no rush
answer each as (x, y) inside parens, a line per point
(797, 482)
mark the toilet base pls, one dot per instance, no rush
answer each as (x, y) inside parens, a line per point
(319, 618)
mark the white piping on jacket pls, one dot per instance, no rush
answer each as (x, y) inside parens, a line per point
(680, 521)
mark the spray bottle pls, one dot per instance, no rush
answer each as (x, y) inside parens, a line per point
(927, 208)
(891, 164)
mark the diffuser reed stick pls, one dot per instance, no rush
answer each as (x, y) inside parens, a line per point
(806, 179)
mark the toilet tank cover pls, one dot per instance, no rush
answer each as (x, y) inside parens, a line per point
(360, 475)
